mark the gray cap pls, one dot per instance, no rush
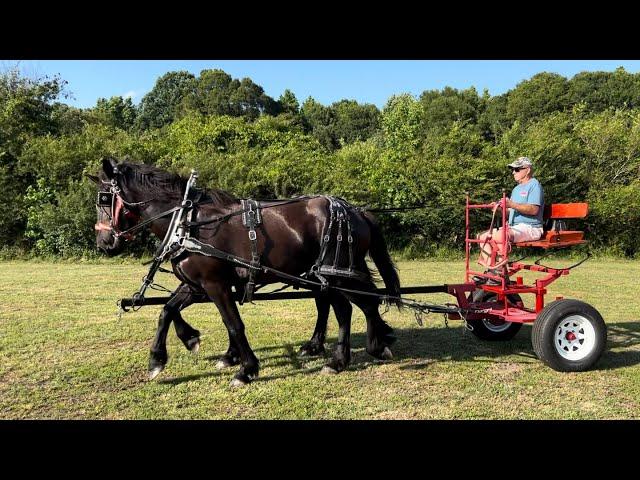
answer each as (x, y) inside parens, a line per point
(521, 162)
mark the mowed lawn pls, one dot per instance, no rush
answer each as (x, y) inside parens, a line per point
(64, 354)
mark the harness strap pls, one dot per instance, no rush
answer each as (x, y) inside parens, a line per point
(340, 216)
(338, 212)
(326, 237)
(242, 212)
(350, 242)
(150, 220)
(250, 218)
(176, 234)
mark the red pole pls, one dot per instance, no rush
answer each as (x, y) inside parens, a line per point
(539, 297)
(504, 247)
(505, 250)
(504, 225)
(467, 244)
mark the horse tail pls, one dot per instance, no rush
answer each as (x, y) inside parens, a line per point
(380, 256)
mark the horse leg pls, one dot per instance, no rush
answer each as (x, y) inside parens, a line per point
(315, 346)
(158, 356)
(222, 296)
(231, 357)
(379, 334)
(189, 336)
(342, 354)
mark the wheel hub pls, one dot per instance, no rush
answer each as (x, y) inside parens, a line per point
(575, 337)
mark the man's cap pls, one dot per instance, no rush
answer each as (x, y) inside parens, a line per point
(522, 162)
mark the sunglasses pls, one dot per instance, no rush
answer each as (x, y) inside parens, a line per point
(517, 169)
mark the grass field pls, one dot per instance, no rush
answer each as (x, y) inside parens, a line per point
(64, 354)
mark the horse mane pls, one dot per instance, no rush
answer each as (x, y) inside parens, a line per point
(160, 182)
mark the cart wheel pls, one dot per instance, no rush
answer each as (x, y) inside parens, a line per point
(494, 330)
(569, 335)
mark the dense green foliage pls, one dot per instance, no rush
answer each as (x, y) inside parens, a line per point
(583, 134)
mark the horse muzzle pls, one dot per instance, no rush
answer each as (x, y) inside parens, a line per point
(106, 227)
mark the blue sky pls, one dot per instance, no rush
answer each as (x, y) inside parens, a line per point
(367, 81)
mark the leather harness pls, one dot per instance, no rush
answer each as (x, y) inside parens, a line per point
(251, 218)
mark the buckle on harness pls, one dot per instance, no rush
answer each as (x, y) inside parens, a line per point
(252, 235)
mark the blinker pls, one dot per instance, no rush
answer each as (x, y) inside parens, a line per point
(105, 199)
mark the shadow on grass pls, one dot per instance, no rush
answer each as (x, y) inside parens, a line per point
(424, 346)
(622, 337)
(440, 344)
(189, 378)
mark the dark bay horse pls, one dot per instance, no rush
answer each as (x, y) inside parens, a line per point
(288, 239)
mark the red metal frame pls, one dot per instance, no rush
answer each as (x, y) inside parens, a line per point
(501, 310)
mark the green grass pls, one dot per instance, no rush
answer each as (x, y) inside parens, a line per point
(64, 354)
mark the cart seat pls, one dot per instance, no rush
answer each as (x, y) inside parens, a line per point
(555, 234)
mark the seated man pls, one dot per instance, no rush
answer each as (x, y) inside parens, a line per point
(526, 207)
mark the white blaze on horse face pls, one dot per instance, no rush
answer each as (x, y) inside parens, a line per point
(103, 223)
(105, 240)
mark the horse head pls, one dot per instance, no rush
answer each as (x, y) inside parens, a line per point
(115, 212)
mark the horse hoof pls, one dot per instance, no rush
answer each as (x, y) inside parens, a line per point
(386, 354)
(194, 345)
(236, 382)
(311, 350)
(327, 370)
(154, 372)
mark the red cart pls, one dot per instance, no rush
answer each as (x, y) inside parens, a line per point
(567, 335)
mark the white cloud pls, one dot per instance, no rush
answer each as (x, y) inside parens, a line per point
(130, 94)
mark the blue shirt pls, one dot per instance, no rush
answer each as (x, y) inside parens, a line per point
(530, 192)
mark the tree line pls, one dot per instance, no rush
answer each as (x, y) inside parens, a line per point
(583, 134)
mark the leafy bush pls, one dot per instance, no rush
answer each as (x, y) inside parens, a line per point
(614, 219)
(585, 144)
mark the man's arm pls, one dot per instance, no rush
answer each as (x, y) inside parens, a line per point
(524, 208)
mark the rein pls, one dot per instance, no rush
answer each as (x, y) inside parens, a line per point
(150, 220)
(393, 209)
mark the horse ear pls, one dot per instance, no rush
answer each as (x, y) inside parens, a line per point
(110, 167)
(93, 178)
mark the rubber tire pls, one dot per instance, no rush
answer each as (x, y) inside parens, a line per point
(544, 328)
(481, 331)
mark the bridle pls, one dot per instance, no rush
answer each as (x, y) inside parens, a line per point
(116, 204)
(112, 204)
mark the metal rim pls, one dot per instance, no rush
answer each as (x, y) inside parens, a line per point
(574, 337)
(496, 328)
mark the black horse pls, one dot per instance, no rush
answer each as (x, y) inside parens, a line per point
(288, 240)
